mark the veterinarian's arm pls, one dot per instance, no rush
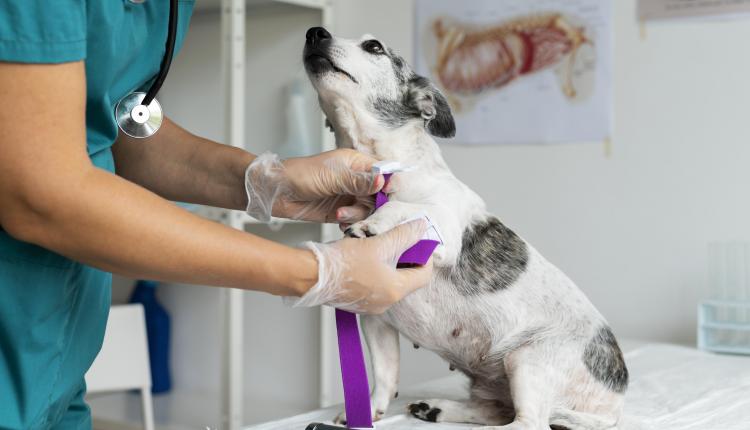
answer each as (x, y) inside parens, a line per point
(51, 195)
(180, 166)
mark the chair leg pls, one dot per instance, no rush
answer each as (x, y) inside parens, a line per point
(148, 408)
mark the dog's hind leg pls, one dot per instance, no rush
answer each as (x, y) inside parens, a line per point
(532, 383)
(471, 411)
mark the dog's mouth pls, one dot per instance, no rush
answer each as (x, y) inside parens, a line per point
(317, 62)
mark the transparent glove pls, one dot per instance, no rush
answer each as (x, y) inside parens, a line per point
(335, 186)
(360, 275)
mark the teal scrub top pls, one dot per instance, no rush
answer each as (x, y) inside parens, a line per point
(53, 310)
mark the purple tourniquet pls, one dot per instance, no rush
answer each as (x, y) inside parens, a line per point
(353, 372)
(421, 251)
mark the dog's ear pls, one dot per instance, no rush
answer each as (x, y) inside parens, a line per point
(432, 106)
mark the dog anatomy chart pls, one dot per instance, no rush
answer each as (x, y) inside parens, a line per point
(531, 71)
(665, 9)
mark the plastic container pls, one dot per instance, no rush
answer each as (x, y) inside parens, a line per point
(158, 331)
(724, 318)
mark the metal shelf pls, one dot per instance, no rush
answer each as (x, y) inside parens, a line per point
(203, 6)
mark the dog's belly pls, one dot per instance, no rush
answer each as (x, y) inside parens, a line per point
(437, 319)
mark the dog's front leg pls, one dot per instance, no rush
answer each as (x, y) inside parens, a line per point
(382, 342)
(385, 218)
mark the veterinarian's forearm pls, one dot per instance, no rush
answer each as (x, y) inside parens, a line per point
(105, 221)
(180, 166)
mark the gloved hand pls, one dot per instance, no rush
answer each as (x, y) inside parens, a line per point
(360, 275)
(333, 186)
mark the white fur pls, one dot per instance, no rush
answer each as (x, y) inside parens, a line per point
(542, 381)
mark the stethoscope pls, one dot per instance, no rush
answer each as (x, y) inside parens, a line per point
(140, 114)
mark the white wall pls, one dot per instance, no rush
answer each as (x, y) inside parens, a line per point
(630, 229)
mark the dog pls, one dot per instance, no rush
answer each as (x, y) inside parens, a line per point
(536, 351)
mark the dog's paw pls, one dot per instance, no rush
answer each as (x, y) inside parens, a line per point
(424, 411)
(359, 229)
(341, 418)
(369, 227)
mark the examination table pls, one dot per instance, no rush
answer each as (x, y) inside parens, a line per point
(671, 387)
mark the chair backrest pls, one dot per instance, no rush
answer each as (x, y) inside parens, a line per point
(122, 363)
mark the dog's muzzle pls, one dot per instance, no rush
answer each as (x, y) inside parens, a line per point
(317, 42)
(316, 55)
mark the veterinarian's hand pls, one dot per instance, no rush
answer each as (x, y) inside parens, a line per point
(335, 186)
(360, 275)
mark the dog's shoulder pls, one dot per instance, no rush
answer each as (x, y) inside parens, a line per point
(492, 257)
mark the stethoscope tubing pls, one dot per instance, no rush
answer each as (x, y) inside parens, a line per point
(166, 61)
(140, 115)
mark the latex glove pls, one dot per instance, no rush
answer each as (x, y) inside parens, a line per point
(360, 275)
(333, 186)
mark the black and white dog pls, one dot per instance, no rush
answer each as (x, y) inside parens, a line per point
(536, 351)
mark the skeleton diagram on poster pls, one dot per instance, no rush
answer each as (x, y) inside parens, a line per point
(520, 71)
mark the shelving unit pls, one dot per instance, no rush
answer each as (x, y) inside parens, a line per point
(228, 84)
(236, 52)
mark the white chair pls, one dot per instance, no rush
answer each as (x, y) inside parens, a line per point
(123, 362)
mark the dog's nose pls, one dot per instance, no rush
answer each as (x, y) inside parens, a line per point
(317, 34)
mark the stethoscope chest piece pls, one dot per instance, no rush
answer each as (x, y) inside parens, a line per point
(137, 120)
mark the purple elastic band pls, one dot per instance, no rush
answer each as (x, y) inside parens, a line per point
(420, 252)
(351, 357)
(353, 372)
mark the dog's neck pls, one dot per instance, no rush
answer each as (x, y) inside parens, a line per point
(409, 144)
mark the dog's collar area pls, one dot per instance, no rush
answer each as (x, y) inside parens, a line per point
(333, 65)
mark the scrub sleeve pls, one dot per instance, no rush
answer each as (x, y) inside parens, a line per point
(53, 310)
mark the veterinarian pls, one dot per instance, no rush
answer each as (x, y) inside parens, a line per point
(79, 200)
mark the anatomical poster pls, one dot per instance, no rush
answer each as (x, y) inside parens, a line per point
(664, 9)
(520, 71)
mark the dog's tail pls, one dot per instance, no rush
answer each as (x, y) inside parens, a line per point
(574, 420)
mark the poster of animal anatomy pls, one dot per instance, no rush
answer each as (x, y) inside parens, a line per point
(520, 71)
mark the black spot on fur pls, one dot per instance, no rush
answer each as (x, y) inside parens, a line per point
(432, 414)
(420, 100)
(604, 360)
(400, 67)
(394, 113)
(424, 412)
(492, 258)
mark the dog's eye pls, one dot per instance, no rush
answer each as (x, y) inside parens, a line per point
(373, 47)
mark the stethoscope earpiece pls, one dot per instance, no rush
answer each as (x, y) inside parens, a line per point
(139, 114)
(137, 120)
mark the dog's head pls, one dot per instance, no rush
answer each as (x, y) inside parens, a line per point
(366, 76)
